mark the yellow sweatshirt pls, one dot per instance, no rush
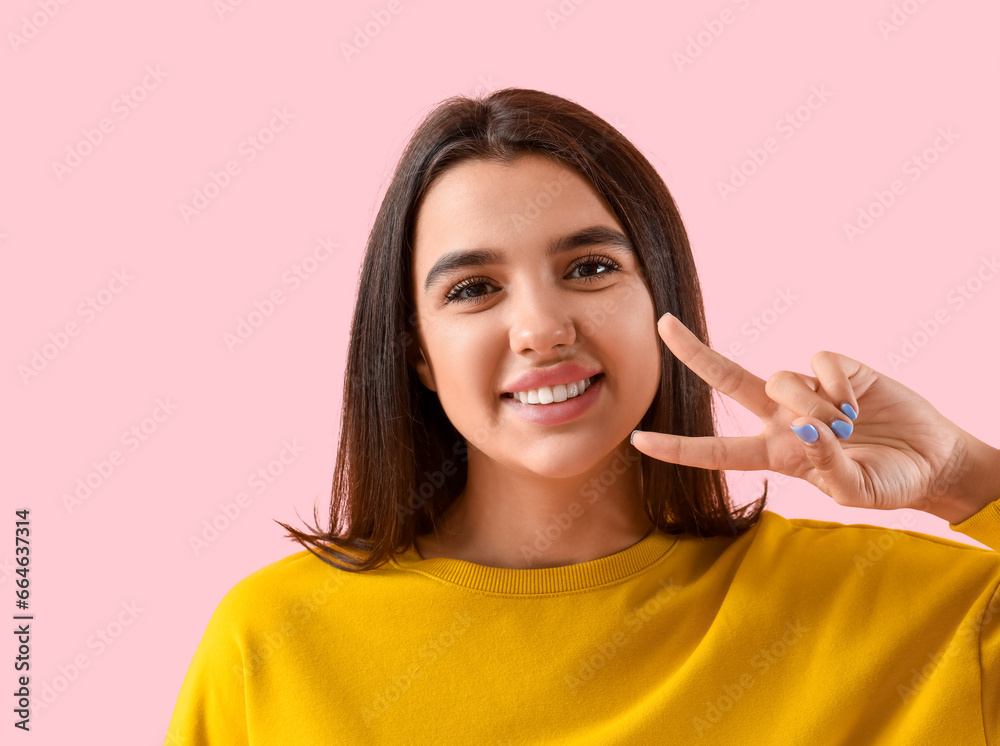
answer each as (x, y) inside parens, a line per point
(798, 632)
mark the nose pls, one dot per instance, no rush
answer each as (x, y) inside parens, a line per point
(542, 324)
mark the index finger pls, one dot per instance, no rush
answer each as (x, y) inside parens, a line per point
(718, 371)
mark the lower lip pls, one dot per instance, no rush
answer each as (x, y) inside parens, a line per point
(555, 414)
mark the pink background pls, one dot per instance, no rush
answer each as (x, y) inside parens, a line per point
(320, 174)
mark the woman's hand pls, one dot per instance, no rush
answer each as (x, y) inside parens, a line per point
(899, 452)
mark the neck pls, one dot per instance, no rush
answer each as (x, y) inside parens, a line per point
(523, 521)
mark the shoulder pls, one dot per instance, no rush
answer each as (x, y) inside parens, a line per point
(819, 548)
(775, 526)
(300, 581)
(820, 536)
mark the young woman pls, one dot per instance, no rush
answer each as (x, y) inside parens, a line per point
(503, 566)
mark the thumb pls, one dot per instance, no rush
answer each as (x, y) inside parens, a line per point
(833, 472)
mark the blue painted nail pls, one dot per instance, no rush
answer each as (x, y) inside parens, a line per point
(849, 411)
(842, 429)
(633, 435)
(806, 433)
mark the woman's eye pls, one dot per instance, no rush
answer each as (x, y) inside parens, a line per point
(598, 262)
(456, 293)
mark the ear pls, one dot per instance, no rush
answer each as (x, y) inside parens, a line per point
(417, 360)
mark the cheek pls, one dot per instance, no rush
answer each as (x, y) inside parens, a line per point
(641, 355)
(462, 370)
(643, 364)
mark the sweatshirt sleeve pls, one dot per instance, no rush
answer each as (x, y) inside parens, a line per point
(986, 622)
(211, 706)
(983, 526)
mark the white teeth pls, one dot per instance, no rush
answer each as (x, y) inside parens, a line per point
(550, 394)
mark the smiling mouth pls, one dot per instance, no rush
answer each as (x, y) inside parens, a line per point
(555, 394)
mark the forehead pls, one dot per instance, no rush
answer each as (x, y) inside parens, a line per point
(532, 197)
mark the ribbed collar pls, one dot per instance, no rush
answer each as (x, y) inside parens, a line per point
(542, 580)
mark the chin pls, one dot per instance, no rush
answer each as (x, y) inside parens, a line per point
(560, 462)
(571, 472)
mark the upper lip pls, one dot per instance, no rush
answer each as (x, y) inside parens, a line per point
(557, 374)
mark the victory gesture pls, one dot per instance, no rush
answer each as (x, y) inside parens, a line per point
(862, 438)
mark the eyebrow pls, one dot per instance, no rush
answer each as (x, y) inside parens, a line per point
(461, 259)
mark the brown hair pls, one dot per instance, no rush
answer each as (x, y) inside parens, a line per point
(400, 461)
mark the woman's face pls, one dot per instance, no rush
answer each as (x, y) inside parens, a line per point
(480, 327)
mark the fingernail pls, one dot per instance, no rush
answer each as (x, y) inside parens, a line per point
(633, 435)
(849, 411)
(842, 429)
(806, 433)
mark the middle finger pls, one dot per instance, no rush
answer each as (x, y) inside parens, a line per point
(803, 396)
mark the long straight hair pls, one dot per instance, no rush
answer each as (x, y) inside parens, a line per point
(400, 461)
